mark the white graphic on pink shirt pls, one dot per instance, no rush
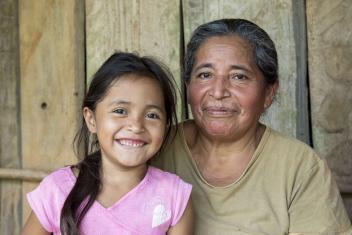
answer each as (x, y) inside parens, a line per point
(160, 215)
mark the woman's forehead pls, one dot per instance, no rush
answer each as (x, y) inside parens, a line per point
(225, 49)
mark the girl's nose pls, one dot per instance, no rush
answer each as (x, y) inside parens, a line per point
(136, 125)
(219, 88)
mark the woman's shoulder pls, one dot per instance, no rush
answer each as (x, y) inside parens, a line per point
(287, 139)
(288, 148)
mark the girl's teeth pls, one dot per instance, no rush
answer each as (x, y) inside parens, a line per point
(131, 143)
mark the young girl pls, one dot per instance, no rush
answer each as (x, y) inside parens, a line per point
(127, 116)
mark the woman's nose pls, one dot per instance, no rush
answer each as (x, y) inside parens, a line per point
(219, 88)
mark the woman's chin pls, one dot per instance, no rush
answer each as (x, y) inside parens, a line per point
(218, 129)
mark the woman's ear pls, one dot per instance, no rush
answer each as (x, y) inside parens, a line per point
(89, 118)
(270, 94)
(186, 86)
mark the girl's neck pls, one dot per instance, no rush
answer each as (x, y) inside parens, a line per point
(122, 176)
(117, 182)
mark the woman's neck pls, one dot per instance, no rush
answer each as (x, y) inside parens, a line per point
(220, 161)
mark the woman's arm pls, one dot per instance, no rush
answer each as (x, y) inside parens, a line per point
(185, 224)
(33, 226)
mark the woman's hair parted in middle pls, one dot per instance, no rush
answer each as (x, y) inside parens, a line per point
(264, 52)
(88, 183)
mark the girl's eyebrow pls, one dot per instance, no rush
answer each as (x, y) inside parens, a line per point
(149, 106)
(119, 102)
(153, 106)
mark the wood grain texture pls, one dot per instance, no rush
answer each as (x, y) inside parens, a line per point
(147, 27)
(330, 72)
(273, 16)
(303, 129)
(10, 191)
(52, 82)
(22, 174)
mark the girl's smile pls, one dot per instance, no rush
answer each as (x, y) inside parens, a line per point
(133, 143)
(129, 121)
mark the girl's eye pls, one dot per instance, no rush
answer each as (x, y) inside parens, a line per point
(152, 116)
(120, 111)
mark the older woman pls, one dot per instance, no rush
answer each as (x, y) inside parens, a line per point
(247, 178)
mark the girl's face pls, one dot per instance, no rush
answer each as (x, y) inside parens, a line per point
(130, 121)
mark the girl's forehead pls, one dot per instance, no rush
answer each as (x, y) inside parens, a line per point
(135, 88)
(136, 79)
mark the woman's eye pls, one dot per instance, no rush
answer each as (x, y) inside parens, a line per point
(239, 77)
(120, 111)
(152, 116)
(204, 75)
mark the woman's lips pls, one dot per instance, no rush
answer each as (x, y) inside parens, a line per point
(218, 111)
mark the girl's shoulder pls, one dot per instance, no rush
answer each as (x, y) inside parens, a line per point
(62, 179)
(166, 179)
(160, 175)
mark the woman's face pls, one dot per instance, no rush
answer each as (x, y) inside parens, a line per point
(227, 91)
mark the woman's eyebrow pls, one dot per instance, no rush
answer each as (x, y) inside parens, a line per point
(204, 65)
(240, 67)
(234, 66)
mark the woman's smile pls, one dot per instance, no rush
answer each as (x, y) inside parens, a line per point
(218, 111)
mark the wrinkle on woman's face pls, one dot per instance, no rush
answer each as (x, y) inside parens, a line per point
(227, 91)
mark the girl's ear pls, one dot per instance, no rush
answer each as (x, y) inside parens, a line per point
(89, 119)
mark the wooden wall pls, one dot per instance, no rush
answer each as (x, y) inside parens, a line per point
(330, 80)
(49, 50)
(10, 137)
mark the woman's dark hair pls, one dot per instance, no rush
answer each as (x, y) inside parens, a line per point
(88, 183)
(264, 51)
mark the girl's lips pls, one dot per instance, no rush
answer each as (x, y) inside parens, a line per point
(135, 143)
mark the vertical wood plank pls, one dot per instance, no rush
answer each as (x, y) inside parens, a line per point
(52, 82)
(302, 89)
(10, 191)
(276, 18)
(330, 73)
(148, 27)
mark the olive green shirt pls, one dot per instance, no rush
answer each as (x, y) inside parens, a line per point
(286, 188)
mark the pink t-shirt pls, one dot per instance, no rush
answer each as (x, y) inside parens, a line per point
(152, 207)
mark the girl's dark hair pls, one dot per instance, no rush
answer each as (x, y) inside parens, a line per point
(264, 52)
(88, 183)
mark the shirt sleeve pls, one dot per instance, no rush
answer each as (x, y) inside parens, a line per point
(182, 197)
(316, 206)
(40, 200)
